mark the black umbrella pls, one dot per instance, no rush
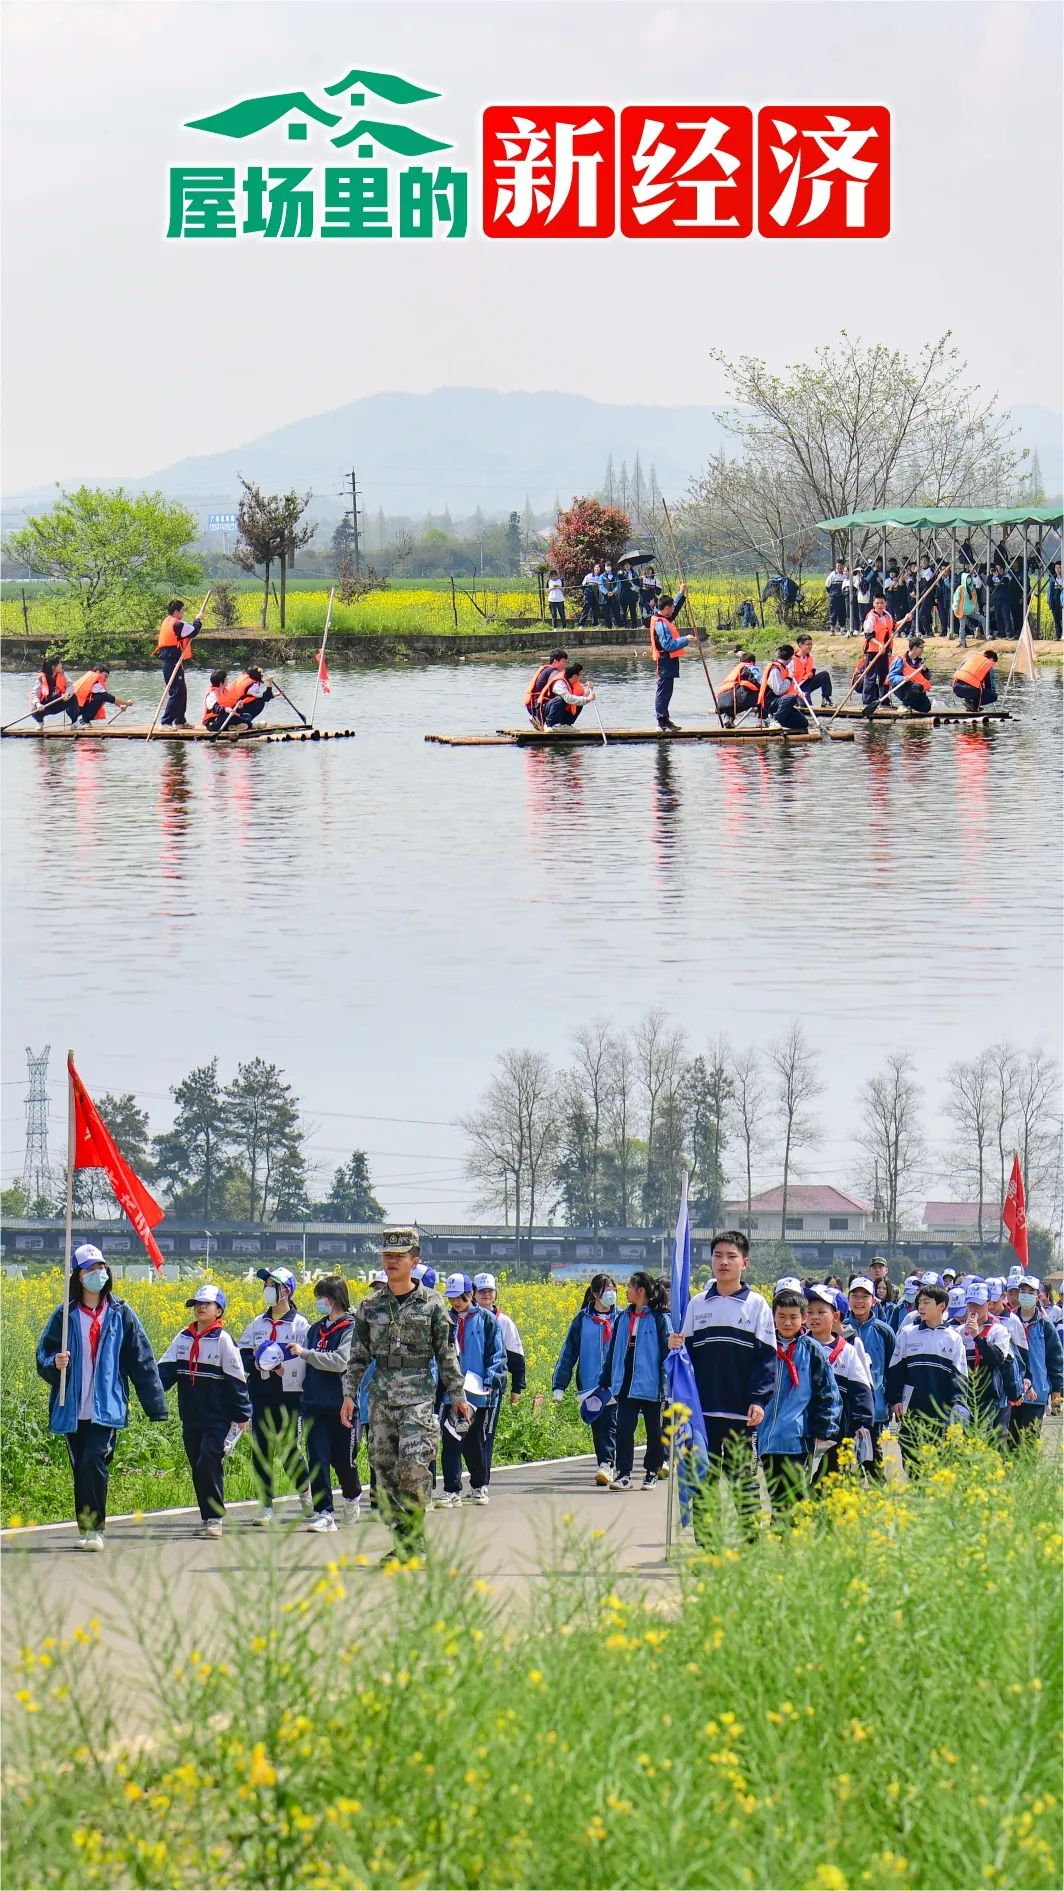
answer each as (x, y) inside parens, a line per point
(635, 558)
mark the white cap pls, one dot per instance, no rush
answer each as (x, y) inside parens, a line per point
(1031, 1280)
(456, 1285)
(88, 1256)
(484, 1280)
(861, 1285)
(378, 1278)
(789, 1283)
(931, 1280)
(270, 1355)
(1015, 1277)
(957, 1299)
(207, 1295)
(820, 1292)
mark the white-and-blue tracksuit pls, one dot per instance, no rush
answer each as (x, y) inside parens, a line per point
(1045, 1358)
(797, 1415)
(877, 1338)
(853, 1375)
(931, 1364)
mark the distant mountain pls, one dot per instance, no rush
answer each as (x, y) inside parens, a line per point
(463, 447)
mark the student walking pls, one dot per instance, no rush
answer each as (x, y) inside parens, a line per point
(730, 1335)
(803, 1411)
(634, 1372)
(853, 1375)
(485, 1294)
(330, 1445)
(482, 1362)
(106, 1348)
(877, 1339)
(212, 1398)
(1045, 1364)
(275, 1381)
(927, 1379)
(584, 1350)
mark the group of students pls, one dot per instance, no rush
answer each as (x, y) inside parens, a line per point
(282, 1381)
(83, 701)
(609, 597)
(964, 599)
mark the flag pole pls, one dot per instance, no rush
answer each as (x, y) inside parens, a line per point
(68, 1243)
(670, 1488)
(321, 656)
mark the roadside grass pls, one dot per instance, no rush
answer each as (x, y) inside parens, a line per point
(874, 1701)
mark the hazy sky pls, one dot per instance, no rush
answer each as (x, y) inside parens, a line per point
(123, 351)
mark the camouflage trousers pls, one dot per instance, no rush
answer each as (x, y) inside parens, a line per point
(403, 1440)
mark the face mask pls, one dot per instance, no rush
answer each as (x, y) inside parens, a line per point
(324, 1307)
(95, 1280)
(269, 1295)
(608, 1299)
(1028, 1301)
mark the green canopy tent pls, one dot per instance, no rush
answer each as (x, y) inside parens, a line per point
(931, 520)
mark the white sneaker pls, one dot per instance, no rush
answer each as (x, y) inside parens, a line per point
(449, 1501)
(306, 1503)
(479, 1496)
(212, 1529)
(265, 1516)
(92, 1540)
(621, 1483)
(350, 1510)
(326, 1521)
(604, 1474)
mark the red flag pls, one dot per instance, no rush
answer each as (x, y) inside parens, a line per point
(1014, 1213)
(95, 1148)
(323, 674)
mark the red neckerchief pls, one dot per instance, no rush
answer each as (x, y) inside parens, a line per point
(603, 1320)
(198, 1333)
(323, 1337)
(461, 1327)
(836, 1350)
(634, 1314)
(95, 1314)
(786, 1353)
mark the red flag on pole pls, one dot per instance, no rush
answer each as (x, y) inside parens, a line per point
(1014, 1213)
(95, 1148)
(323, 674)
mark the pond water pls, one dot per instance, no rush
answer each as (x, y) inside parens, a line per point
(382, 916)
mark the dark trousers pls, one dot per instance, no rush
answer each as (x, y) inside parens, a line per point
(911, 696)
(557, 616)
(84, 712)
(91, 1449)
(177, 700)
(1055, 613)
(559, 715)
(1025, 1424)
(789, 713)
(250, 710)
(604, 1434)
(491, 1426)
(836, 611)
(590, 612)
(668, 671)
(735, 702)
(787, 1480)
(206, 1459)
(274, 1428)
(471, 1449)
(731, 1455)
(973, 698)
(56, 707)
(330, 1447)
(629, 1412)
(611, 611)
(819, 680)
(873, 683)
(876, 1468)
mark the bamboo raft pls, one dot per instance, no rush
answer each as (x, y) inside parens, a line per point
(852, 712)
(138, 732)
(585, 738)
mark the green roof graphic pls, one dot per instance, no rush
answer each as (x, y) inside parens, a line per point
(255, 114)
(399, 138)
(386, 85)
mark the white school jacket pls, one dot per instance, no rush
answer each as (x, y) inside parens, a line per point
(293, 1328)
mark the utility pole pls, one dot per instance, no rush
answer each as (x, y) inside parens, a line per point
(37, 1178)
(354, 521)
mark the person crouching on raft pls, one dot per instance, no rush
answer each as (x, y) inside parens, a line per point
(666, 648)
(910, 678)
(216, 703)
(974, 682)
(50, 689)
(806, 674)
(738, 692)
(539, 688)
(87, 699)
(250, 694)
(779, 695)
(566, 698)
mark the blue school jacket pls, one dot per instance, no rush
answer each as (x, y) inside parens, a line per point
(651, 1346)
(877, 1338)
(1045, 1359)
(124, 1353)
(585, 1347)
(797, 1415)
(481, 1351)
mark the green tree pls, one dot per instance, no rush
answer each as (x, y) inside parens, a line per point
(271, 533)
(351, 1197)
(128, 1124)
(191, 1156)
(14, 1201)
(118, 555)
(513, 545)
(262, 1125)
(707, 1086)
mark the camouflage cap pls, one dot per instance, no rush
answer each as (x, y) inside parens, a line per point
(401, 1241)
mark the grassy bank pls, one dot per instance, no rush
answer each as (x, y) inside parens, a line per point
(150, 1471)
(874, 1702)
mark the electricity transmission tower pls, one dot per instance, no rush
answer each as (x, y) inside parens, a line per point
(37, 1178)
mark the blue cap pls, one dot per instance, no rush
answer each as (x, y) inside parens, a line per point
(208, 1295)
(88, 1255)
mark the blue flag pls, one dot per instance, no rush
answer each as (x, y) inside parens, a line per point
(692, 1447)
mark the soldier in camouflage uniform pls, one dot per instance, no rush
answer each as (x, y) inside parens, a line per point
(402, 1328)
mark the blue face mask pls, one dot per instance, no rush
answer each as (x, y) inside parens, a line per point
(95, 1279)
(608, 1299)
(324, 1307)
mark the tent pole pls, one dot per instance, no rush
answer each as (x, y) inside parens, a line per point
(850, 606)
(952, 579)
(1022, 626)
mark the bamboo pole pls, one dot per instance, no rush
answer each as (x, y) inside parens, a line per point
(321, 652)
(172, 678)
(68, 1241)
(690, 613)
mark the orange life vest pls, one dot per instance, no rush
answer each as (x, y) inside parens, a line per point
(656, 650)
(739, 678)
(83, 689)
(168, 638)
(45, 691)
(878, 640)
(917, 673)
(576, 687)
(236, 693)
(973, 670)
(535, 698)
(790, 687)
(220, 693)
(802, 666)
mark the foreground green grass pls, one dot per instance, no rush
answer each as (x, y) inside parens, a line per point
(874, 1702)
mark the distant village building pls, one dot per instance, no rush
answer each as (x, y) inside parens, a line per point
(961, 1219)
(813, 1209)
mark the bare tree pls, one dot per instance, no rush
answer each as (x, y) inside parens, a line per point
(1003, 1063)
(620, 1110)
(590, 1082)
(749, 1095)
(658, 1047)
(970, 1109)
(891, 1132)
(513, 1134)
(1037, 1121)
(793, 1068)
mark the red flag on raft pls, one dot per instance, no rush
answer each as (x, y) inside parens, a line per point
(95, 1148)
(323, 674)
(1014, 1213)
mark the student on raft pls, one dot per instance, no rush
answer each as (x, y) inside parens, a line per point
(634, 1372)
(565, 698)
(173, 646)
(666, 647)
(556, 599)
(331, 1446)
(738, 692)
(106, 1348)
(275, 1381)
(779, 695)
(88, 697)
(538, 688)
(216, 703)
(874, 661)
(212, 1396)
(974, 682)
(584, 1349)
(806, 674)
(50, 690)
(910, 678)
(250, 694)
